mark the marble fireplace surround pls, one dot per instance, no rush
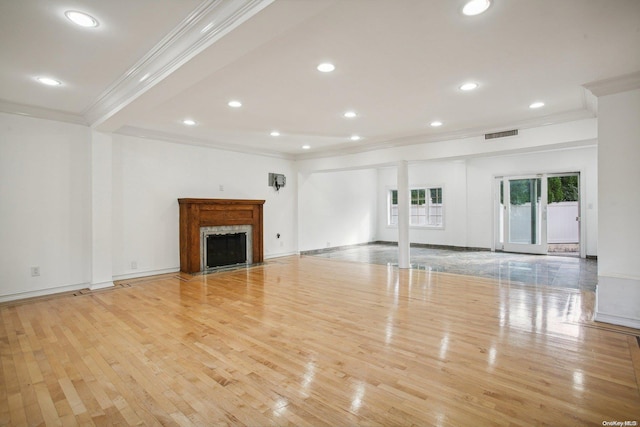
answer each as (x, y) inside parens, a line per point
(198, 213)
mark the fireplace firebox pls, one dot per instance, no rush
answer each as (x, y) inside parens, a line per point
(226, 249)
(225, 245)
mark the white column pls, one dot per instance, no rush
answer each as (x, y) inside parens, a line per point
(101, 196)
(404, 206)
(618, 290)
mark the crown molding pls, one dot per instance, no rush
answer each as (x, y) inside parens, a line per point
(203, 27)
(198, 142)
(567, 116)
(41, 113)
(590, 101)
(614, 85)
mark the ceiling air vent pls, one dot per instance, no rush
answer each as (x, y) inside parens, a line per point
(502, 134)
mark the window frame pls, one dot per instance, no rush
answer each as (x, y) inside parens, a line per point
(427, 191)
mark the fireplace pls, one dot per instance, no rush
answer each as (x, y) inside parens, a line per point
(225, 245)
(200, 218)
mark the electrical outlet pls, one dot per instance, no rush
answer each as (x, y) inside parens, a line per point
(328, 244)
(35, 271)
(134, 265)
(221, 187)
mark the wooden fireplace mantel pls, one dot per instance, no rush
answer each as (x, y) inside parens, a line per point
(196, 213)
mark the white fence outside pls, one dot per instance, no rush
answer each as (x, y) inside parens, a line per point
(421, 215)
(562, 226)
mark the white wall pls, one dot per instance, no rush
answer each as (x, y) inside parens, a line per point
(45, 196)
(480, 177)
(468, 194)
(451, 176)
(148, 178)
(45, 200)
(337, 208)
(618, 291)
(562, 147)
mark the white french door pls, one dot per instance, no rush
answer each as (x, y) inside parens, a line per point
(524, 216)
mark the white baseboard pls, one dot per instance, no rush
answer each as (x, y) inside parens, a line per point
(146, 273)
(617, 320)
(271, 256)
(43, 292)
(617, 300)
(101, 285)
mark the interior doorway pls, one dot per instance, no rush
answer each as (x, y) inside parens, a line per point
(538, 214)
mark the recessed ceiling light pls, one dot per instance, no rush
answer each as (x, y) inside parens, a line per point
(235, 104)
(275, 133)
(435, 124)
(188, 122)
(81, 18)
(350, 114)
(476, 7)
(537, 104)
(469, 86)
(356, 137)
(48, 81)
(306, 147)
(326, 67)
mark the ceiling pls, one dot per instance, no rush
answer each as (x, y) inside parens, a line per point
(150, 64)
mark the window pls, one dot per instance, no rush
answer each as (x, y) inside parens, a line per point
(426, 207)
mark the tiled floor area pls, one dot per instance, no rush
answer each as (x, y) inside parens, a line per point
(556, 271)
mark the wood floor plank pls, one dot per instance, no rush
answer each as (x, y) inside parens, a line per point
(16, 407)
(634, 350)
(308, 341)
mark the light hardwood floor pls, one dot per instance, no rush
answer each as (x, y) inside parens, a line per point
(309, 341)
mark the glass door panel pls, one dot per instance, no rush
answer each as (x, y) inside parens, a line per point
(563, 214)
(499, 212)
(525, 202)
